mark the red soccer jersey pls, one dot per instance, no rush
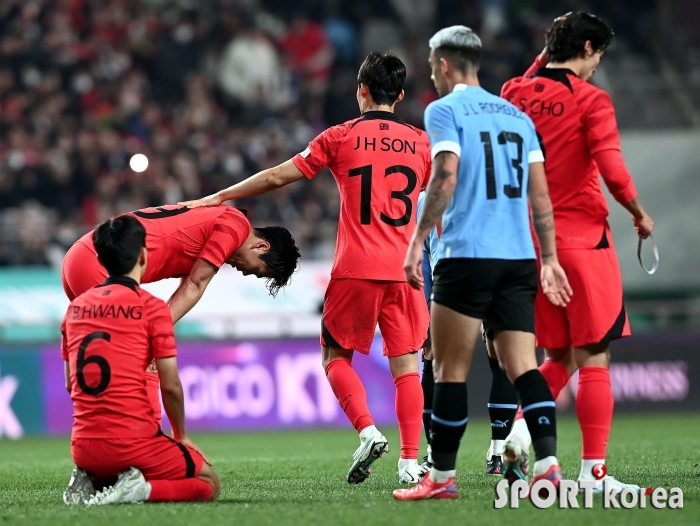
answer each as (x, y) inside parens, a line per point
(176, 236)
(110, 335)
(380, 165)
(576, 122)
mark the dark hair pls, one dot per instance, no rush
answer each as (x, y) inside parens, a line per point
(384, 76)
(566, 37)
(282, 257)
(118, 243)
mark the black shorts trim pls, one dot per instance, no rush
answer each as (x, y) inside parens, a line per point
(615, 332)
(604, 243)
(499, 292)
(189, 461)
(328, 337)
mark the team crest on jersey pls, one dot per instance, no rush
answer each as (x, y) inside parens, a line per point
(305, 153)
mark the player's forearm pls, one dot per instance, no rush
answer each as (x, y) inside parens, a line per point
(260, 183)
(174, 403)
(184, 298)
(263, 182)
(634, 207)
(543, 223)
(616, 176)
(441, 187)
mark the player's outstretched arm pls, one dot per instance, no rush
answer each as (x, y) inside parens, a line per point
(260, 183)
(174, 400)
(438, 195)
(191, 288)
(555, 284)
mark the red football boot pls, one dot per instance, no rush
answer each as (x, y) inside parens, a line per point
(427, 489)
(553, 474)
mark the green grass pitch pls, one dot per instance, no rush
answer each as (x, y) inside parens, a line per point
(298, 478)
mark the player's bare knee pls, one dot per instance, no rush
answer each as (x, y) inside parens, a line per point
(328, 354)
(594, 355)
(405, 364)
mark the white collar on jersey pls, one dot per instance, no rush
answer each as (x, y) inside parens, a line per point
(459, 87)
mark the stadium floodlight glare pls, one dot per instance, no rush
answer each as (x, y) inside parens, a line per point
(138, 162)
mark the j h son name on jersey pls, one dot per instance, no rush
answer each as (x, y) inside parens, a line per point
(386, 144)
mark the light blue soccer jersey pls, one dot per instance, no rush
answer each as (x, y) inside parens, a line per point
(488, 215)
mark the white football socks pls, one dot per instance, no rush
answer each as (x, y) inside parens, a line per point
(587, 468)
(521, 431)
(541, 466)
(368, 432)
(497, 448)
(404, 462)
(441, 476)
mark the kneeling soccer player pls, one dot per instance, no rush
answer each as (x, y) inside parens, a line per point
(110, 334)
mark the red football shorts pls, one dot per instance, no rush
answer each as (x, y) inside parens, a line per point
(81, 270)
(353, 307)
(159, 458)
(596, 312)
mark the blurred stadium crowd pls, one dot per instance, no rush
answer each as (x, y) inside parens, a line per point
(212, 91)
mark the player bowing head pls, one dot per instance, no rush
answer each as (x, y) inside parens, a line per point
(192, 245)
(270, 253)
(380, 165)
(579, 38)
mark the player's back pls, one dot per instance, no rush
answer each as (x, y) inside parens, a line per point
(109, 333)
(488, 215)
(176, 236)
(380, 165)
(575, 119)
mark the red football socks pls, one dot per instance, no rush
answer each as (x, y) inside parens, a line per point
(153, 392)
(179, 490)
(409, 413)
(594, 408)
(350, 392)
(557, 377)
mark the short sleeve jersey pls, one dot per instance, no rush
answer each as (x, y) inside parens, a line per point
(488, 216)
(575, 120)
(176, 236)
(380, 165)
(110, 335)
